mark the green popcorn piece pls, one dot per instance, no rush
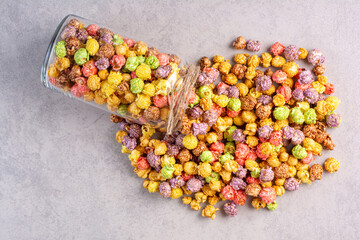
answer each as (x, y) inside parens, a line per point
(153, 62)
(281, 113)
(140, 59)
(277, 149)
(225, 157)
(60, 49)
(255, 173)
(206, 156)
(167, 171)
(229, 132)
(81, 56)
(271, 206)
(205, 91)
(136, 85)
(123, 109)
(297, 116)
(299, 152)
(213, 176)
(117, 40)
(131, 63)
(234, 104)
(310, 116)
(230, 148)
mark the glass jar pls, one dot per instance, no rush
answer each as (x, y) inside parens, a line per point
(92, 63)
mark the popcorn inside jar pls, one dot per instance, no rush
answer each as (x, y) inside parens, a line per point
(118, 74)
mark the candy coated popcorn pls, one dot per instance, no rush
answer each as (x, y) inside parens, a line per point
(291, 53)
(333, 120)
(299, 152)
(297, 116)
(92, 46)
(315, 56)
(331, 165)
(278, 61)
(292, 184)
(266, 59)
(303, 53)
(253, 46)
(272, 206)
(267, 195)
(176, 193)
(165, 189)
(281, 113)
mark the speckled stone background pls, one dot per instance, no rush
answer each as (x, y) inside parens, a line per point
(62, 174)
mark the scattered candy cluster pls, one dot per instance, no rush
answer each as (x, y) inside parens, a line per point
(100, 66)
(254, 134)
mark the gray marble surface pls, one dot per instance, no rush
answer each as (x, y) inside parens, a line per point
(62, 173)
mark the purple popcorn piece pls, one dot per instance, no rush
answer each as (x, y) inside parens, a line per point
(266, 175)
(265, 131)
(305, 77)
(135, 131)
(253, 46)
(238, 136)
(163, 71)
(194, 185)
(165, 189)
(172, 150)
(288, 132)
(195, 112)
(298, 95)
(177, 182)
(106, 38)
(241, 172)
(291, 53)
(69, 31)
(82, 35)
(210, 117)
(102, 63)
(292, 184)
(233, 92)
(230, 209)
(263, 83)
(129, 143)
(179, 139)
(333, 120)
(154, 160)
(199, 128)
(237, 183)
(264, 99)
(298, 137)
(311, 95)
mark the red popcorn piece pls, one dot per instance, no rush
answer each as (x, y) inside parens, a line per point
(240, 161)
(279, 76)
(239, 197)
(242, 150)
(277, 48)
(219, 110)
(228, 192)
(268, 195)
(129, 42)
(309, 158)
(260, 154)
(160, 101)
(232, 113)
(329, 89)
(117, 62)
(92, 29)
(284, 90)
(186, 177)
(142, 163)
(250, 180)
(52, 81)
(163, 59)
(252, 154)
(302, 86)
(276, 138)
(218, 147)
(89, 68)
(192, 97)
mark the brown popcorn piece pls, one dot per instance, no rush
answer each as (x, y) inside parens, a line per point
(319, 69)
(248, 103)
(184, 156)
(263, 111)
(72, 45)
(296, 126)
(115, 118)
(152, 52)
(63, 82)
(328, 143)
(316, 171)
(259, 73)
(106, 51)
(253, 189)
(201, 147)
(317, 131)
(205, 62)
(123, 86)
(76, 23)
(239, 43)
(74, 72)
(282, 171)
(103, 31)
(186, 125)
(152, 113)
(239, 70)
